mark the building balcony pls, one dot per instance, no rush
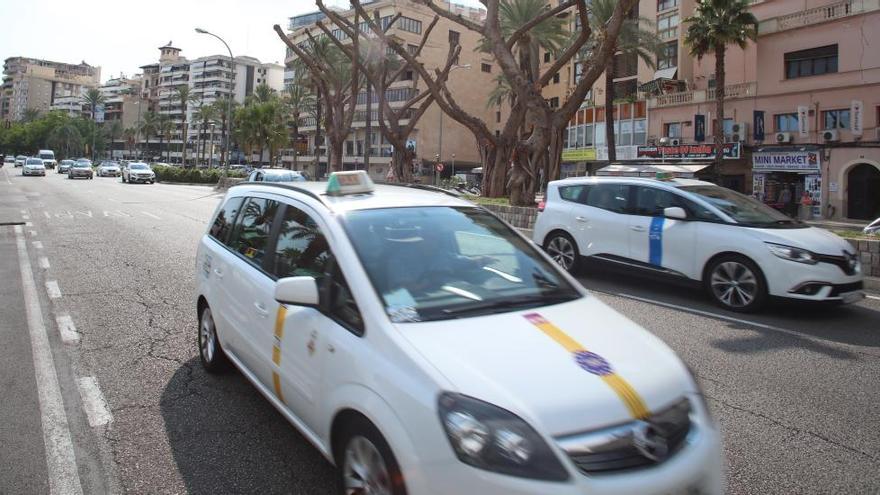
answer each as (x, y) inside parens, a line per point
(694, 96)
(817, 15)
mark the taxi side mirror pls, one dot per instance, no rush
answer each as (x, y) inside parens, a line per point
(675, 212)
(297, 291)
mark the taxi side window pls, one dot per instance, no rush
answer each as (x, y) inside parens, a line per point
(250, 235)
(651, 202)
(341, 305)
(611, 197)
(577, 194)
(301, 249)
(224, 219)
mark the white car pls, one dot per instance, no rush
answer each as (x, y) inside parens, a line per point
(425, 347)
(48, 157)
(138, 172)
(740, 250)
(9, 160)
(33, 166)
(19, 161)
(108, 169)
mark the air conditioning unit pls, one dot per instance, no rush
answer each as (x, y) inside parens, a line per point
(675, 142)
(831, 135)
(665, 141)
(740, 132)
(784, 137)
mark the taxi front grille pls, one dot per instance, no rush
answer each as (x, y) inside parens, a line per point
(847, 263)
(634, 445)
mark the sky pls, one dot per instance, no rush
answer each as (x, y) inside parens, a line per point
(122, 36)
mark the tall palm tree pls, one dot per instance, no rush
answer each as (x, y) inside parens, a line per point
(130, 135)
(164, 128)
(638, 38)
(262, 94)
(66, 139)
(206, 114)
(93, 98)
(114, 131)
(148, 127)
(222, 107)
(184, 97)
(714, 25)
(298, 100)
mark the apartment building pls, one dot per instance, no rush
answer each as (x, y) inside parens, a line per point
(34, 84)
(436, 138)
(802, 111)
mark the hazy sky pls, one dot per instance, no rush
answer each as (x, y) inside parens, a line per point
(121, 36)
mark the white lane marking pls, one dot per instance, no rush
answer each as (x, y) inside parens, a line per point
(38, 245)
(53, 289)
(44, 262)
(106, 214)
(60, 456)
(24, 212)
(67, 329)
(151, 215)
(28, 224)
(85, 213)
(93, 402)
(872, 297)
(26, 217)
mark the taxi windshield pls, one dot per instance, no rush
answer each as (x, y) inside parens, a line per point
(435, 263)
(741, 208)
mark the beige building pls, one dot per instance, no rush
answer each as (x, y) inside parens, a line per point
(33, 84)
(436, 138)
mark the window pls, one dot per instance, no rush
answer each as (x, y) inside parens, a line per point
(412, 49)
(611, 197)
(554, 102)
(836, 119)
(487, 68)
(672, 129)
(667, 26)
(252, 229)
(625, 89)
(578, 194)
(812, 62)
(650, 202)
(409, 25)
(786, 122)
(556, 78)
(454, 38)
(547, 57)
(666, 4)
(341, 304)
(668, 55)
(625, 65)
(640, 132)
(301, 249)
(497, 116)
(225, 218)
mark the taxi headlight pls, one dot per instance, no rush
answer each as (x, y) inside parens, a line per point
(494, 439)
(792, 253)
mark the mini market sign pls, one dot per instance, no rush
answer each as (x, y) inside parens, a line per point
(786, 161)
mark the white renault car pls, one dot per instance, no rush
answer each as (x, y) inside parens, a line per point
(425, 347)
(740, 250)
(33, 166)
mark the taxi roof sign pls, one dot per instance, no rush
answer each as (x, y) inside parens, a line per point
(664, 176)
(352, 182)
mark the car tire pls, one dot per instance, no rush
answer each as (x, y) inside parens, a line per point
(564, 251)
(361, 443)
(211, 353)
(736, 283)
(123, 179)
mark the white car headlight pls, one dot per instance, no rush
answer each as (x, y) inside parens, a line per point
(792, 253)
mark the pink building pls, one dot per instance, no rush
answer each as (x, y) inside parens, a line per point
(802, 112)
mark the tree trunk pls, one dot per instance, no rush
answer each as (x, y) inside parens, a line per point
(609, 110)
(223, 148)
(719, 110)
(295, 164)
(369, 125)
(335, 159)
(185, 137)
(161, 141)
(554, 157)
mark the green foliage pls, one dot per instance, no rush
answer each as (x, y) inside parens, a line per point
(192, 175)
(69, 137)
(718, 23)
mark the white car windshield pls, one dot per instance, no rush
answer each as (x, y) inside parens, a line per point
(138, 166)
(743, 209)
(80, 165)
(272, 176)
(435, 263)
(34, 161)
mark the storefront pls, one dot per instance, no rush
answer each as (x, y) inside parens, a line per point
(688, 171)
(733, 173)
(575, 162)
(781, 176)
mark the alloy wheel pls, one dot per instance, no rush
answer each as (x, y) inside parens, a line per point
(364, 470)
(207, 336)
(562, 251)
(734, 284)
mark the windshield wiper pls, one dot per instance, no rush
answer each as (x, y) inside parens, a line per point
(512, 302)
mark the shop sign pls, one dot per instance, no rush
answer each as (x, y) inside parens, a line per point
(758, 125)
(855, 112)
(581, 155)
(792, 161)
(803, 115)
(732, 151)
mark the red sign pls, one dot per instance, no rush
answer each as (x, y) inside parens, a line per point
(439, 167)
(731, 151)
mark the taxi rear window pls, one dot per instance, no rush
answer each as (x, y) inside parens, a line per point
(225, 218)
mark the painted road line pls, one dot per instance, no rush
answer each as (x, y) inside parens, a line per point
(24, 212)
(60, 456)
(38, 245)
(44, 262)
(151, 215)
(53, 289)
(67, 329)
(93, 402)
(26, 217)
(872, 297)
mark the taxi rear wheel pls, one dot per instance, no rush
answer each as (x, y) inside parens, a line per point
(365, 464)
(564, 251)
(211, 354)
(736, 283)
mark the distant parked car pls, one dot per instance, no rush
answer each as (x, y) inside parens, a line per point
(275, 175)
(80, 169)
(19, 161)
(48, 157)
(33, 166)
(138, 172)
(9, 160)
(64, 166)
(109, 169)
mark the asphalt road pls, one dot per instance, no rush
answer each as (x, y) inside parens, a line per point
(795, 389)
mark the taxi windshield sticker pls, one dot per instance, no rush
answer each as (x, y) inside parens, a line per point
(594, 364)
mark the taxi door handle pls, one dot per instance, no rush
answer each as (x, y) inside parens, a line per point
(218, 272)
(637, 228)
(580, 219)
(261, 309)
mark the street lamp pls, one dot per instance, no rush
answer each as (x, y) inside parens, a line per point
(440, 141)
(228, 103)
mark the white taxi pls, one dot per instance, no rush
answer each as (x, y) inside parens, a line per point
(425, 347)
(742, 251)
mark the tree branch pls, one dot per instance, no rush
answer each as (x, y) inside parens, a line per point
(575, 47)
(537, 20)
(458, 19)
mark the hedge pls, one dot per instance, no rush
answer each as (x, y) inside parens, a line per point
(192, 175)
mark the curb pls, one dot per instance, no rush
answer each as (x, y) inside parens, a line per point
(872, 284)
(206, 184)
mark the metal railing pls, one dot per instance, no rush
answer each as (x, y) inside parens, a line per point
(817, 15)
(733, 91)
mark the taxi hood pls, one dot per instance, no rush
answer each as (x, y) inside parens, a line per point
(812, 239)
(564, 368)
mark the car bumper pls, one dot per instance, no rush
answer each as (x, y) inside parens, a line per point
(77, 176)
(33, 172)
(109, 174)
(141, 179)
(819, 282)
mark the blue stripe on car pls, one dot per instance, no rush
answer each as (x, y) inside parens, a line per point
(655, 241)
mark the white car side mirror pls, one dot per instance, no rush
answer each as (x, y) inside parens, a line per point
(297, 291)
(675, 212)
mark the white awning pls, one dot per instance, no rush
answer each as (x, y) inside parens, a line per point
(668, 73)
(678, 171)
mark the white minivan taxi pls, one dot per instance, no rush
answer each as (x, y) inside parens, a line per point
(425, 347)
(741, 250)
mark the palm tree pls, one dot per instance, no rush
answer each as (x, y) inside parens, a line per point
(66, 139)
(638, 38)
(262, 94)
(30, 115)
(114, 132)
(130, 135)
(149, 126)
(206, 114)
(298, 99)
(165, 128)
(184, 97)
(93, 98)
(222, 107)
(714, 25)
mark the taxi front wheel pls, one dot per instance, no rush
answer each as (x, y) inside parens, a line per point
(736, 283)
(211, 354)
(365, 463)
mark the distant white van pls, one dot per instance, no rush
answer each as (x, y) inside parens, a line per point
(48, 157)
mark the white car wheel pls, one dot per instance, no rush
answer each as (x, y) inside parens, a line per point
(211, 354)
(562, 248)
(736, 283)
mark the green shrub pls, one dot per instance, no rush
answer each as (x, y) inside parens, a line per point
(191, 175)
